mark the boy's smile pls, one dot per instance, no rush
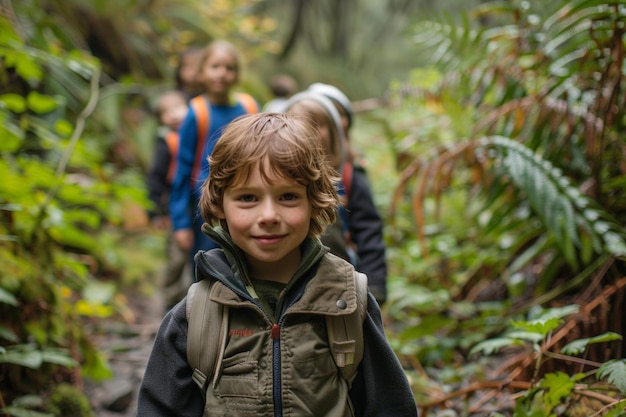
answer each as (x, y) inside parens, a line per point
(268, 220)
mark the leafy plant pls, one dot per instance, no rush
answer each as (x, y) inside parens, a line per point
(508, 166)
(556, 392)
(76, 81)
(66, 400)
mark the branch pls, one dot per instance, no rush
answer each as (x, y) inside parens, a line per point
(76, 134)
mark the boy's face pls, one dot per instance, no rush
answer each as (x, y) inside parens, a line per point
(219, 72)
(268, 221)
(173, 111)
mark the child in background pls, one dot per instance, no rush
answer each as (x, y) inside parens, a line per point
(269, 195)
(186, 76)
(343, 105)
(282, 86)
(357, 235)
(171, 110)
(209, 113)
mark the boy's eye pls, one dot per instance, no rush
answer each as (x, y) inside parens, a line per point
(247, 198)
(290, 196)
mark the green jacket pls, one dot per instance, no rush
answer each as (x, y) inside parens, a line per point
(284, 361)
(276, 366)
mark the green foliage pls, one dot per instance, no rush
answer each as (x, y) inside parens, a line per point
(555, 389)
(26, 406)
(67, 401)
(506, 147)
(615, 372)
(76, 138)
(31, 357)
(53, 208)
(578, 346)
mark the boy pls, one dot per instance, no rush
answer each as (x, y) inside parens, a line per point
(177, 275)
(269, 195)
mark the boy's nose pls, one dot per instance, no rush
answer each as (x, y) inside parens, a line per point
(268, 212)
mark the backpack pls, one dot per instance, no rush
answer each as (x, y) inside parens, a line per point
(201, 109)
(208, 320)
(172, 141)
(337, 236)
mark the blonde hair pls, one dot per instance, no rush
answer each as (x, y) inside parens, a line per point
(223, 46)
(294, 152)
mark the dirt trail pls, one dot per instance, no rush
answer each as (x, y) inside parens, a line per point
(127, 347)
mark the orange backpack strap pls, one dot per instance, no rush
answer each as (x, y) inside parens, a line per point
(347, 178)
(248, 103)
(200, 107)
(201, 110)
(172, 141)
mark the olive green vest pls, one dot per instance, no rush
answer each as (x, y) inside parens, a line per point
(240, 356)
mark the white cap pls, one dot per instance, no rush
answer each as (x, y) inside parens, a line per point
(336, 95)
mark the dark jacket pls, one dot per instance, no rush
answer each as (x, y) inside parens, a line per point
(303, 367)
(366, 231)
(158, 185)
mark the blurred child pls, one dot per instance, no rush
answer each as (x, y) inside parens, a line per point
(186, 76)
(344, 106)
(283, 86)
(209, 113)
(171, 110)
(269, 195)
(357, 234)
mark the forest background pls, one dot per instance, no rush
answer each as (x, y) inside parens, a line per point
(494, 139)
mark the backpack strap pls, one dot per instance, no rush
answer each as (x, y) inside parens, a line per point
(208, 326)
(172, 142)
(347, 178)
(248, 103)
(206, 332)
(200, 106)
(345, 333)
(201, 110)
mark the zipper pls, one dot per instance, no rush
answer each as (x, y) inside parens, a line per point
(277, 385)
(276, 370)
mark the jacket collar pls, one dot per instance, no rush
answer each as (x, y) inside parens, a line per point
(326, 282)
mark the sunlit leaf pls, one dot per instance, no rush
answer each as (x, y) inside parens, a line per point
(26, 67)
(59, 357)
(491, 346)
(578, 346)
(63, 127)
(530, 336)
(559, 386)
(14, 102)
(40, 103)
(541, 327)
(23, 355)
(88, 309)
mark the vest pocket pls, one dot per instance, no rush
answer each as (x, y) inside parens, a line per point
(239, 377)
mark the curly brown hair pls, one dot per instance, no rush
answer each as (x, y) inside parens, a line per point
(293, 149)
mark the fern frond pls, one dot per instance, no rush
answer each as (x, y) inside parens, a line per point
(563, 209)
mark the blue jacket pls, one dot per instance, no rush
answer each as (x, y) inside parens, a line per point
(185, 191)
